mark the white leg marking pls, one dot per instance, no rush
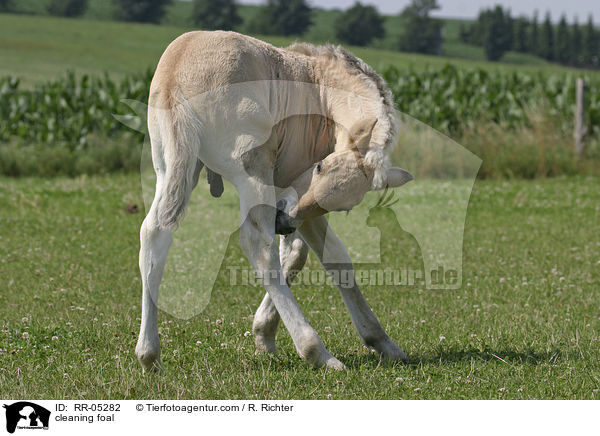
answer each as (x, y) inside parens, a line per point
(292, 254)
(257, 239)
(319, 236)
(154, 246)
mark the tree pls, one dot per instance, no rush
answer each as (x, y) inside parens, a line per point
(547, 39)
(282, 17)
(576, 57)
(498, 34)
(67, 8)
(359, 25)
(143, 11)
(6, 5)
(422, 34)
(591, 44)
(563, 42)
(521, 38)
(215, 14)
(534, 36)
(464, 33)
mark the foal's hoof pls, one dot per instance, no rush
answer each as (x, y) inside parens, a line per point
(264, 345)
(333, 363)
(154, 368)
(392, 352)
(149, 358)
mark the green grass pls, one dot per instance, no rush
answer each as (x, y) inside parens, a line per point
(38, 48)
(525, 323)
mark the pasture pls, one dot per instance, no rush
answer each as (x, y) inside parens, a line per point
(525, 323)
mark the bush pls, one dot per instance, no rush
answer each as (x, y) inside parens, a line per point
(102, 156)
(67, 8)
(215, 14)
(6, 5)
(143, 11)
(359, 25)
(281, 17)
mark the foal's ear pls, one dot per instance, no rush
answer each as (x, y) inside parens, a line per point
(360, 134)
(397, 177)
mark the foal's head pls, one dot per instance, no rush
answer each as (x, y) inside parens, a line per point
(338, 182)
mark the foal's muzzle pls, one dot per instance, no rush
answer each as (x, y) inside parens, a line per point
(283, 221)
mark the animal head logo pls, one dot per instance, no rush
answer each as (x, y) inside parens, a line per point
(24, 414)
(382, 211)
(426, 223)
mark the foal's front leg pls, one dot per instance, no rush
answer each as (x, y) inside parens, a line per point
(257, 239)
(293, 252)
(321, 239)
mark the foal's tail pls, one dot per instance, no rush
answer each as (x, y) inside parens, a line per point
(180, 134)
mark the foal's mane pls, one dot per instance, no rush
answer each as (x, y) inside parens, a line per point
(364, 72)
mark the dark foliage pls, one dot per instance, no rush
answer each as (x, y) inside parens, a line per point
(422, 33)
(359, 25)
(67, 8)
(142, 11)
(282, 17)
(215, 14)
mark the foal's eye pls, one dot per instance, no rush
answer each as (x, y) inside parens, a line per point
(319, 168)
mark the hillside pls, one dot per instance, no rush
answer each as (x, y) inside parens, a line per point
(179, 13)
(38, 48)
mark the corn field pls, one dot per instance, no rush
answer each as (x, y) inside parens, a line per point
(452, 99)
(67, 111)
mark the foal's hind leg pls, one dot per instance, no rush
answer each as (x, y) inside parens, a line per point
(154, 246)
(292, 254)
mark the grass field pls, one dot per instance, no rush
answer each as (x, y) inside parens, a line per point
(525, 323)
(38, 48)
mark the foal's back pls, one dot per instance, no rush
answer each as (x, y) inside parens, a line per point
(200, 61)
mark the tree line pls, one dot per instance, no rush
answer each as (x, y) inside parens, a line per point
(358, 25)
(567, 44)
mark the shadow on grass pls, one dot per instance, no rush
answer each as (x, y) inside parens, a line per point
(526, 357)
(449, 356)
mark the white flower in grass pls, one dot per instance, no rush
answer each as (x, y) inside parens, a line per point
(55, 338)
(25, 335)
(247, 333)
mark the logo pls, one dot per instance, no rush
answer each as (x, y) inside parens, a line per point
(26, 415)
